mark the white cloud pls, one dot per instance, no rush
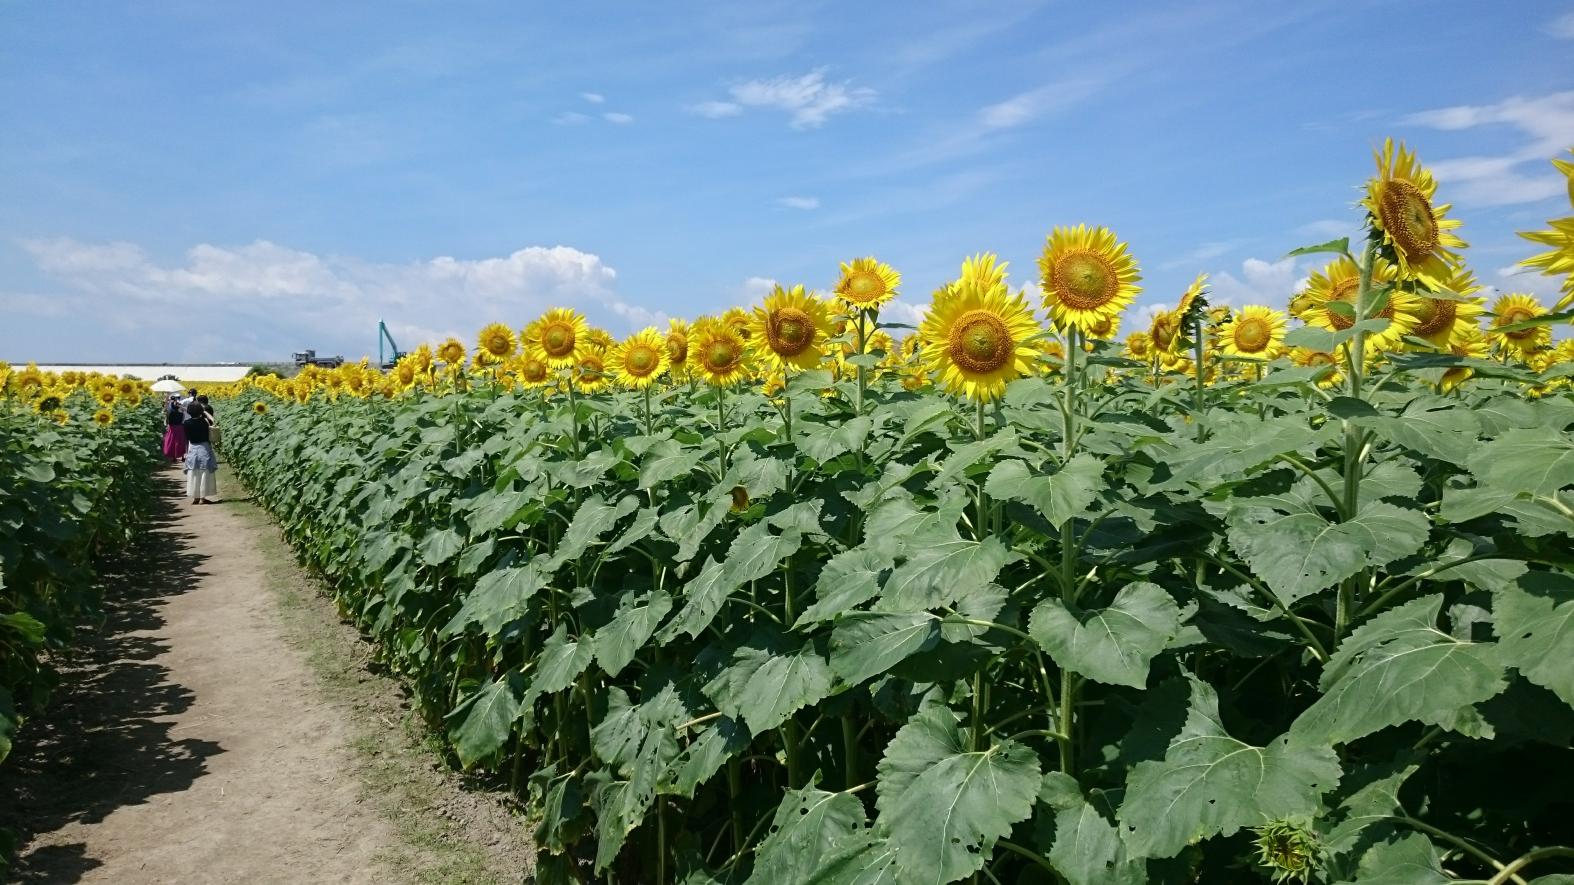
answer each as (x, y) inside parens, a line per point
(300, 296)
(898, 311)
(1520, 176)
(1261, 282)
(1025, 107)
(799, 202)
(756, 288)
(570, 118)
(1562, 27)
(620, 119)
(1518, 279)
(809, 100)
(716, 109)
(593, 97)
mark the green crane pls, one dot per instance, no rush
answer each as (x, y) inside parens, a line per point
(390, 356)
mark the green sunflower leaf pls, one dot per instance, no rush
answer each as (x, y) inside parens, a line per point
(1113, 644)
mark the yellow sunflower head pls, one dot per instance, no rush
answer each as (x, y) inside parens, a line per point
(497, 340)
(1402, 214)
(103, 418)
(600, 338)
(60, 416)
(640, 359)
(866, 283)
(1438, 320)
(1139, 346)
(260, 407)
(1104, 328)
(559, 336)
(738, 319)
(126, 387)
(406, 371)
(717, 352)
(977, 336)
(1339, 283)
(1165, 334)
(1087, 276)
(1517, 308)
(677, 343)
(790, 330)
(452, 352)
(1305, 356)
(1466, 343)
(1195, 297)
(533, 371)
(590, 372)
(1254, 332)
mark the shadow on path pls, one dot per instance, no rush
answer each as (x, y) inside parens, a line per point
(108, 739)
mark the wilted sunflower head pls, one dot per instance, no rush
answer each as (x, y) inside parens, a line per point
(867, 283)
(1086, 275)
(640, 359)
(790, 330)
(452, 352)
(1402, 215)
(497, 340)
(1254, 332)
(1514, 308)
(717, 352)
(558, 336)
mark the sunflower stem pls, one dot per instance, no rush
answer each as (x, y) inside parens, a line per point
(647, 410)
(1072, 382)
(1354, 437)
(721, 424)
(1199, 351)
(863, 377)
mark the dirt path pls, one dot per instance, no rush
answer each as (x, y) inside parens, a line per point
(203, 737)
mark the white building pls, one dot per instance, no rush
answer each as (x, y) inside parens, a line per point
(211, 373)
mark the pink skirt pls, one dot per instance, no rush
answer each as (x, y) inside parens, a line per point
(175, 442)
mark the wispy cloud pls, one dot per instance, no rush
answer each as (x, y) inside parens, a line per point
(809, 100)
(1562, 27)
(1025, 107)
(756, 288)
(1327, 229)
(1520, 176)
(618, 118)
(1260, 282)
(1202, 253)
(571, 118)
(593, 97)
(799, 202)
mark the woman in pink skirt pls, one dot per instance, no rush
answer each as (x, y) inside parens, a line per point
(174, 431)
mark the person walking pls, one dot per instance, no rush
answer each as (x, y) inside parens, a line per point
(202, 463)
(174, 430)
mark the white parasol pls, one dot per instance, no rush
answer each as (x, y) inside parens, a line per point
(168, 385)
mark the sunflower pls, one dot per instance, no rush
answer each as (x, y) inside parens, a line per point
(790, 330)
(497, 340)
(1305, 356)
(640, 359)
(977, 336)
(1255, 332)
(1400, 210)
(532, 371)
(405, 372)
(1087, 276)
(103, 418)
(1438, 320)
(1139, 346)
(126, 388)
(984, 270)
(1340, 281)
(1104, 328)
(590, 372)
(1466, 343)
(1560, 236)
(60, 416)
(559, 336)
(260, 407)
(452, 352)
(677, 343)
(866, 283)
(717, 352)
(1195, 297)
(1165, 334)
(600, 338)
(1517, 308)
(738, 319)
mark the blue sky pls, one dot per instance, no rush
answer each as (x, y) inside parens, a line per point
(233, 181)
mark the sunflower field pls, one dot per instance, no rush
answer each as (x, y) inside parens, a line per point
(775, 597)
(76, 458)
